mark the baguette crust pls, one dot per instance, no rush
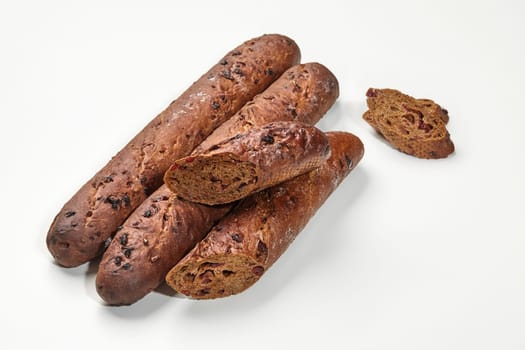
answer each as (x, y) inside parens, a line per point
(93, 214)
(248, 162)
(306, 91)
(245, 243)
(413, 126)
(118, 285)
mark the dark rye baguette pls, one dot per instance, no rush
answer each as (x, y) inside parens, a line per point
(164, 228)
(92, 215)
(413, 126)
(246, 242)
(249, 162)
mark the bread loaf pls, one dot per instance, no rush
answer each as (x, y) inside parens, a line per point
(248, 162)
(413, 126)
(94, 213)
(245, 243)
(164, 228)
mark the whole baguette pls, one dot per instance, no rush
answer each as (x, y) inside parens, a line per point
(245, 243)
(164, 228)
(249, 162)
(81, 228)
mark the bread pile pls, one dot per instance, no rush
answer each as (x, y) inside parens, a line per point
(217, 186)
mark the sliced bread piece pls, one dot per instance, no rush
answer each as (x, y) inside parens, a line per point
(413, 126)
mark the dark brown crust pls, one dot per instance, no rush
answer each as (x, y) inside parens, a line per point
(245, 243)
(160, 231)
(93, 214)
(413, 126)
(249, 162)
(121, 286)
(306, 91)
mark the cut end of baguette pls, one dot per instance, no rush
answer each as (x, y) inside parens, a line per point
(212, 179)
(217, 276)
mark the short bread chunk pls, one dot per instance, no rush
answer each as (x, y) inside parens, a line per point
(248, 162)
(413, 126)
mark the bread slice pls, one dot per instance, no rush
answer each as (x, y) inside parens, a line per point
(413, 126)
(248, 162)
(245, 243)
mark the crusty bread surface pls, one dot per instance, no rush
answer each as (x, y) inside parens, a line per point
(248, 162)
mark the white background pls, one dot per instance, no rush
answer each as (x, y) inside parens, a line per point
(407, 254)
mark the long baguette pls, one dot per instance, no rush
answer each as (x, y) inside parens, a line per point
(164, 228)
(93, 214)
(245, 243)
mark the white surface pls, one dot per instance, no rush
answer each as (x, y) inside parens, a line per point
(407, 254)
